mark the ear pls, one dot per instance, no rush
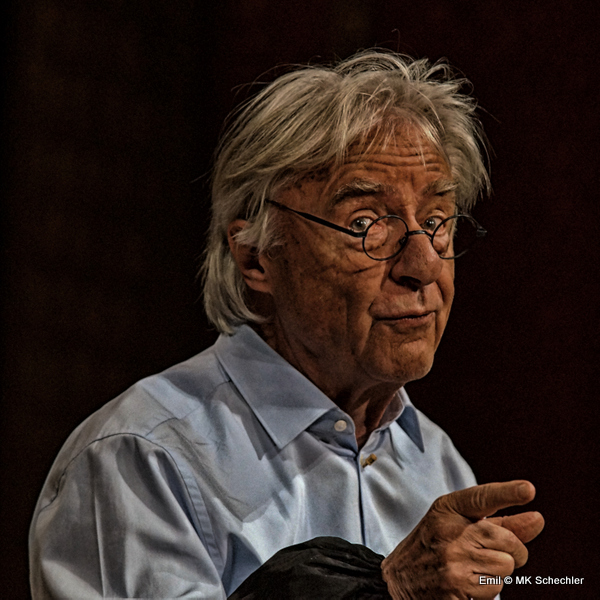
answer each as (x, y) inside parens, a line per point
(250, 263)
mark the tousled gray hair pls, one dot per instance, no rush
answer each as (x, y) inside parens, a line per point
(306, 120)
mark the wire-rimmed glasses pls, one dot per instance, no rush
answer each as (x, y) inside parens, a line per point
(386, 236)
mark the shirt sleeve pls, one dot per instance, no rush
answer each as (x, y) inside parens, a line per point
(120, 525)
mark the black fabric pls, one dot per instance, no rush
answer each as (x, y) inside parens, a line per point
(325, 567)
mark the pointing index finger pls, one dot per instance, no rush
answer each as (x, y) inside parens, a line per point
(484, 500)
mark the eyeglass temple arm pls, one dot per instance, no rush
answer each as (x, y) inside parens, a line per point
(356, 234)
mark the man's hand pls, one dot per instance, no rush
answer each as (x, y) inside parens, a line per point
(453, 545)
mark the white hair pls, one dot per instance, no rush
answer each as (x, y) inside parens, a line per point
(306, 120)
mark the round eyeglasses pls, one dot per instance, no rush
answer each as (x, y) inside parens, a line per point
(386, 236)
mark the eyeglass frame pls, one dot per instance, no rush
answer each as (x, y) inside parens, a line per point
(480, 232)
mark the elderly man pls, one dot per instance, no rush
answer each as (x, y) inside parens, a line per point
(287, 460)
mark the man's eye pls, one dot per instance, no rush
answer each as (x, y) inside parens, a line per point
(431, 223)
(360, 224)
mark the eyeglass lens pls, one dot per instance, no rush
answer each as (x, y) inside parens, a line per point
(388, 235)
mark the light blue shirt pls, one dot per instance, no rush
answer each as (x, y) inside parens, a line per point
(189, 481)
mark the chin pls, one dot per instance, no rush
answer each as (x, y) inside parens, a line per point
(402, 369)
(398, 359)
(419, 373)
(413, 360)
(413, 372)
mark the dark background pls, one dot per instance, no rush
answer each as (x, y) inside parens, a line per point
(112, 110)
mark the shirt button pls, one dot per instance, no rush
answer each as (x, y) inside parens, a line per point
(340, 425)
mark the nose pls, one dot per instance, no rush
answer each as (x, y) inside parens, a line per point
(418, 264)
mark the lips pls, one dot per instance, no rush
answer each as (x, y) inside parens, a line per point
(408, 322)
(406, 316)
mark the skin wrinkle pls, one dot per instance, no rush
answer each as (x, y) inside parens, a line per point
(316, 175)
(453, 530)
(360, 329)
(336, 314)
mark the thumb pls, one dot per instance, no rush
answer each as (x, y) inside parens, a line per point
(525, 526)
(484, 500)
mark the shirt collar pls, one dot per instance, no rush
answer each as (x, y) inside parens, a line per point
(402, 411)
(408, 419)
(283, 400)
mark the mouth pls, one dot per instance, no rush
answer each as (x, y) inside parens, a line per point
(409, 319)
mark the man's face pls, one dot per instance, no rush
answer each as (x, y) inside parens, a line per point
(343, 319)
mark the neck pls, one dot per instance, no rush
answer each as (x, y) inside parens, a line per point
(363, 400)
(367, 409)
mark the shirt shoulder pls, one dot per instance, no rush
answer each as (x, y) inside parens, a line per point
(156, 402)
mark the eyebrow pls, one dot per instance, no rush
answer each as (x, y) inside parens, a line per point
(440, 187)
(364, 187)
(358, 188)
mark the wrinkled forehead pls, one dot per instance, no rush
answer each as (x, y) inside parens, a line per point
(378, 162)
(413, 138)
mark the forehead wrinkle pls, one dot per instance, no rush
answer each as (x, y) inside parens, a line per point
(403, 156)
(357, 188)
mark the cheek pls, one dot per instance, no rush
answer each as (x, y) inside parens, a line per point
(319, 290)
(303, 283)
(309, 262)
(446, 287)
(446, 284)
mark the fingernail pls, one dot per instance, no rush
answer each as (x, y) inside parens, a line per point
(523, 490)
